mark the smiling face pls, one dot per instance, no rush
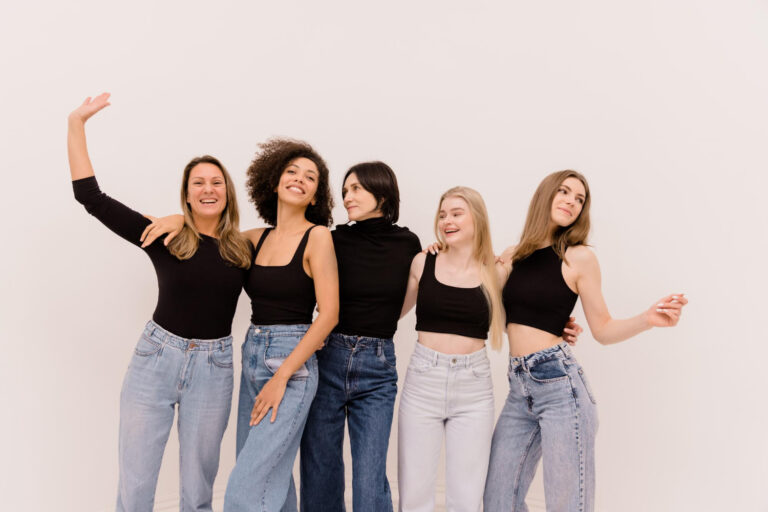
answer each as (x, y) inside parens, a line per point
(454, 221)
(206, 191)
(360, 204)
(568, 202)
(298, 183)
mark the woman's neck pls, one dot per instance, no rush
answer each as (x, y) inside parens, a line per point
(460, 256)
(206, 225)
(290, 218)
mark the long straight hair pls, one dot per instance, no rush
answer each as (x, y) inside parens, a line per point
(538, 230)
(233, 247)
(482, 252)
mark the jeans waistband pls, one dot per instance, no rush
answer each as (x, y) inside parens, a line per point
(449, 360)
(360, 342)
(561, 351)
(157, 333)
(295, 329)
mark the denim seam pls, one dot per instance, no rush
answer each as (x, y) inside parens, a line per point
(519, 471)
(291, 431)
(579, 444)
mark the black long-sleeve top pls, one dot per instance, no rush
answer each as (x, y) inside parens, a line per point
(196, 297)
(374, 258)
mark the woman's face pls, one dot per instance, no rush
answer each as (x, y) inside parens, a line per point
(455, 221)
(298, 183)
(568, 202)
(206, 191)
(360, 203)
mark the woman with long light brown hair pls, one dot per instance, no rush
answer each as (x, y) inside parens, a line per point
(550, 411)
(184, 357)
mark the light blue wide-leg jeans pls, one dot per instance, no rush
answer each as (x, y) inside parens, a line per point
(550, 413)
(169, 371)
(262, 478)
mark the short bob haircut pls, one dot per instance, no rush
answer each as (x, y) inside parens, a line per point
(379, 179)
(264, 173)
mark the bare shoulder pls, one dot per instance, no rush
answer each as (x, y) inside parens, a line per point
(506, 256)
(417, 263)
(253, 234)
(581, 257)
(320, 238)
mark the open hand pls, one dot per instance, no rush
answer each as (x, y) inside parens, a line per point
(171, 224)
(270, 397)
(89, 107)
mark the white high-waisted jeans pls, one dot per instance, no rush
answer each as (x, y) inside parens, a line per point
(444, 396)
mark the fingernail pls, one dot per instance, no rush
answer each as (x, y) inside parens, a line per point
(660, 304)
(658, 310)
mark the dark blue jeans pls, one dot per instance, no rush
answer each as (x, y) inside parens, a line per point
(358, 383)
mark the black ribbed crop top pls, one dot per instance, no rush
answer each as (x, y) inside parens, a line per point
(536, 293)
(450, 309)
(281, 294)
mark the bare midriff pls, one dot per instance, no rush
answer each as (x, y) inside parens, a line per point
(524, 339)
(450, 343)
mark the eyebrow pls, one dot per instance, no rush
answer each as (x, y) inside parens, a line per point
(570, 190)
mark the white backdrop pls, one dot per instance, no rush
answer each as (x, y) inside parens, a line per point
(661, 104)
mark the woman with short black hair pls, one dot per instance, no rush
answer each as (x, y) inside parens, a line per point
(358, 377)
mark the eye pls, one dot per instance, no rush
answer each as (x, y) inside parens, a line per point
(311, 178)
(580, 200)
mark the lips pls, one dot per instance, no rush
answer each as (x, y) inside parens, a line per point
(295, 189)
(565, 211)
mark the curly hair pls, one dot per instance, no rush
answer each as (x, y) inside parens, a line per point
(263, 176)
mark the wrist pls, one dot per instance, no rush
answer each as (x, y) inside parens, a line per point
(281, 375)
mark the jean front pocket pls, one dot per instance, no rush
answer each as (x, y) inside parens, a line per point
(147, 346)
(221, 357)
(551, 370)
(386, 355)
(274, 356)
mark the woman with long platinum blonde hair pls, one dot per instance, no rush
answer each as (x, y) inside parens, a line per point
(448, 392)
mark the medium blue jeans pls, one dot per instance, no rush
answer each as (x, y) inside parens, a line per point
(168, 371)
(358, 383)
(550, 412)
(262, 478)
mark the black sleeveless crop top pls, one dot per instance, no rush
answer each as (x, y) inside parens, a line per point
(536, 294)
(281, 294)
(450, 309)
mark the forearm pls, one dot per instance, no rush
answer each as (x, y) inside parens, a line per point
(616, 330)
(79, 162)
(312, 341)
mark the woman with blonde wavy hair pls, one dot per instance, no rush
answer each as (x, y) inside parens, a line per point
(448, 391)
(550, 411)
(184, 357)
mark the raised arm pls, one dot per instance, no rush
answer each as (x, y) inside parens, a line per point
(606, 329)
(79, 162)
(321, 258)
(116, 216)
(414, 276)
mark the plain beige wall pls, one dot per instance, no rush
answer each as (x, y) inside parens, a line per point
(661, 104)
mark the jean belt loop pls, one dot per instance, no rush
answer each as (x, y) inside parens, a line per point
(435, 357)
(379, 348)
(565, 349)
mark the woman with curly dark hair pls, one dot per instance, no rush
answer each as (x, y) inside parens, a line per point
(293, 268)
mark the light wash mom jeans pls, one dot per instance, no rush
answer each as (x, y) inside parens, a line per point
(262, 479)
(550, 412)
(444, 396)
(168, 371)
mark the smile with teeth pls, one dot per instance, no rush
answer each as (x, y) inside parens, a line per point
(450, 231)
(295, 189)
(209, 201)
